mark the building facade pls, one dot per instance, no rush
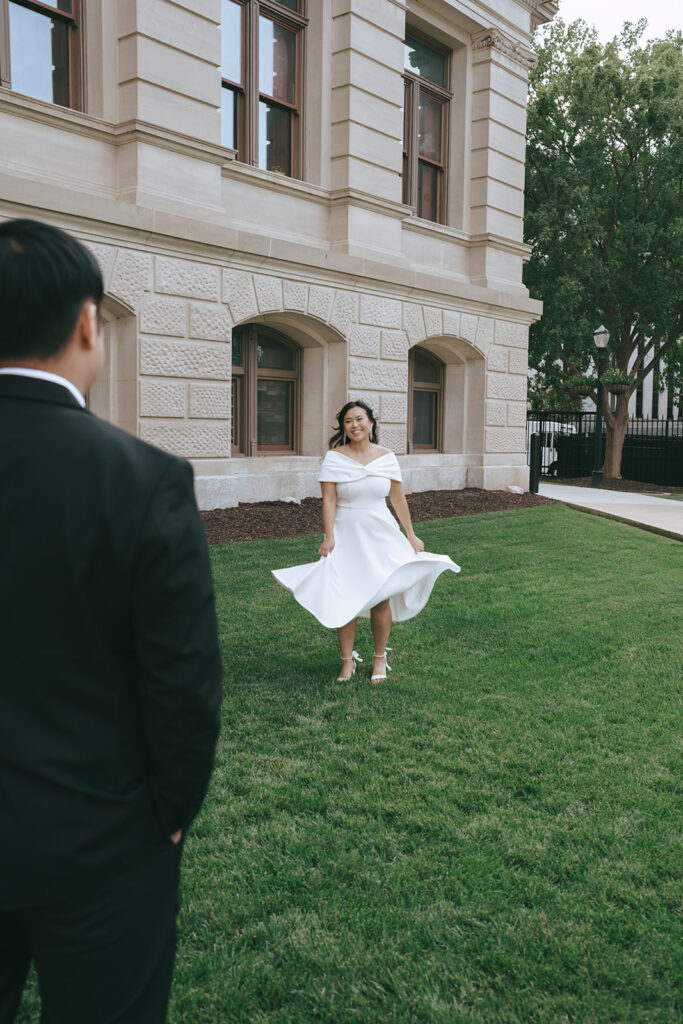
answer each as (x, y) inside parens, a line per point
(294, 203)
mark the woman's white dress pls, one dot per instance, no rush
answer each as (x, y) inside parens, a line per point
(371, 560)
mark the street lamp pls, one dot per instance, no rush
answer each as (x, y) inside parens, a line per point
(601, 339)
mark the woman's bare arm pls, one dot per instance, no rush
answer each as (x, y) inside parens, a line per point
(398, 500)
(329, 507)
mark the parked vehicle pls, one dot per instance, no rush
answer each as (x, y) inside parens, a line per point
(551, 432)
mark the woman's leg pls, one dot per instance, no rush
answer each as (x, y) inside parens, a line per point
(380, 620)
(347, 634)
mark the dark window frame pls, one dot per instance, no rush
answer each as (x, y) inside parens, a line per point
(248, 92)
(437, 388)
(245, 378)
(76, 62)
(414, 85)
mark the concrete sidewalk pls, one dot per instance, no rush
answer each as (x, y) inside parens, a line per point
(660, 515)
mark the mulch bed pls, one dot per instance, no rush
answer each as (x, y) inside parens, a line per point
(269, 519)
(635, 486)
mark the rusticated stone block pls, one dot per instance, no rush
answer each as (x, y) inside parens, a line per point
(515, 335)
(344, 312)
(519, 360)
(468, 327)
(394, 345)
(164, 316)
(393, 437)
(296, 296)
(433, 319)
(238, 292)
(186, 277)
(451, 322)
(517, 414)
(505, 439)
(167, 398)
(197, 440)
(210, 322)
(105, 256)
(484, 333)
(132, 276)
(497, 359)
(413, 323)
(210, 401)
(495, 413)
(320, 302)
(371, 374)
(161, 358)
(370, 398)
(375, 309)
(364, 341)
(268, 293)
(504, 385)
(393, 408)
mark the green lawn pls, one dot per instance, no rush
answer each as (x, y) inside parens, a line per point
(490, 836)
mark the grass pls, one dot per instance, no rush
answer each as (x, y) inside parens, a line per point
(489, 837)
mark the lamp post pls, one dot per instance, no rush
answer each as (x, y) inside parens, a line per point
(601, 339)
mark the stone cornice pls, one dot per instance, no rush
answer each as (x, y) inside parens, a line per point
(495, 38)
(542, 11)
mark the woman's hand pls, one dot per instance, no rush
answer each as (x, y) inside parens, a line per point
(416, 543)
(327, 546)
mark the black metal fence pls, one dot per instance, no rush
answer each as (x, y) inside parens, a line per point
(653, 448)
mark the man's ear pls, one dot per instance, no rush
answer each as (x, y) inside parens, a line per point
(88, 325)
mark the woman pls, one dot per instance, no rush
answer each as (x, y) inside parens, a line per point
(367, 567)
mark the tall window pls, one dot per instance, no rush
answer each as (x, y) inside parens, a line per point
(262, 43)
(425, 413)
(39, 49)
(425, 127)
(265, 392)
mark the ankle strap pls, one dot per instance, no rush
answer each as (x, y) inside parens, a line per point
(354, 657)
(384, 654)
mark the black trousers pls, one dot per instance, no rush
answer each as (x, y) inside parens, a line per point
(105, 957)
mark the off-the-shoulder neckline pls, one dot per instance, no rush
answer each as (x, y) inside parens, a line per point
(364, 465)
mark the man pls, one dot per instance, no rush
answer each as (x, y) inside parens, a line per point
(109, 663)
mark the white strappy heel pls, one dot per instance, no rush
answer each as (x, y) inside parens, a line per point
(380, 678)
(354, 657)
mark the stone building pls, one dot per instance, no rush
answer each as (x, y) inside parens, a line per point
(294, 202)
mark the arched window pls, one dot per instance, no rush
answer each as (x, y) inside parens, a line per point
(265, 392)
(425, 412)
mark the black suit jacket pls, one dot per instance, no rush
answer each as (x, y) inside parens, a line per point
(109, 662)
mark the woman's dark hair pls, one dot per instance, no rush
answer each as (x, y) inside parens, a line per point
(339, 438)
(45, 277)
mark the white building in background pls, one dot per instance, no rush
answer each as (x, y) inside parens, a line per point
(294, 203)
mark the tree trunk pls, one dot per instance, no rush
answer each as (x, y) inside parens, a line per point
(615, 424)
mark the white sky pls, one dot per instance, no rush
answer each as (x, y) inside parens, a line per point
(609, 15)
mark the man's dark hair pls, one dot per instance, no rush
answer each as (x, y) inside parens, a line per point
(45, 277)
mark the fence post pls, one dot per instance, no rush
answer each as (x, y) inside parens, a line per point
(534, 462)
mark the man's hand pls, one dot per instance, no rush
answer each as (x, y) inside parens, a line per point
(176, 837)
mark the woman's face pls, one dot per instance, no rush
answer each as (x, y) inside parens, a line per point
(357, 424)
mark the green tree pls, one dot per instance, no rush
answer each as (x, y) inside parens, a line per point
(603, 207)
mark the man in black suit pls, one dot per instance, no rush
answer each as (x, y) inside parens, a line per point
(109, 662)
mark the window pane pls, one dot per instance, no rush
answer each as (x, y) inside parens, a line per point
(274, 139)
(231, 41)
(424, 418)
(236, 350)
(422, 60)
(424, 370)
(277, 61)
(229, 118)
(430, 130)
(60, 5)
(293, 5)
(274, 356)
(428, 191)
(39, 55)
(273, 408)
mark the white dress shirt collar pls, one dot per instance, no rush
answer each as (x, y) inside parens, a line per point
(54, 378)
